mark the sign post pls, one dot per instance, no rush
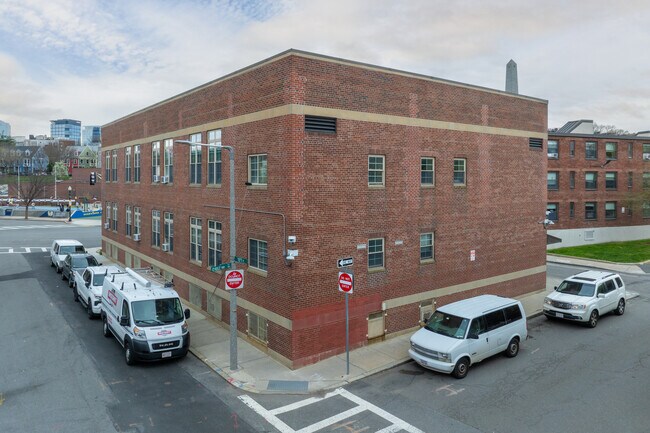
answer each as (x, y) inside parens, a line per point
(346, 285)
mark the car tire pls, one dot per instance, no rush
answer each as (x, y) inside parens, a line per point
(71, 283)
(105, 331)
(620, 309)
(51, 264)
(62, 275)
(461, 368)
(58, 269)
(128, 354)
(75, 295)
(593, 319)
(513, 348)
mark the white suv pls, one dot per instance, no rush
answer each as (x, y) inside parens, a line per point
(586, 296)
(87, 287)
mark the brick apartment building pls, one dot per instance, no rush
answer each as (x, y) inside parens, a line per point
(434, 188)
(597, 185)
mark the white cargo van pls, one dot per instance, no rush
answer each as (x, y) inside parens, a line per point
(146, 318)
(468, 331)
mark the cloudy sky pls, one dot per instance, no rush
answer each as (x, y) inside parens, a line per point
(97, 60)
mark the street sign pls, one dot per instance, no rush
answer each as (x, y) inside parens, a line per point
(220, 267)
(234, 280)
(240, 260)
(346, 282)
(342, 263)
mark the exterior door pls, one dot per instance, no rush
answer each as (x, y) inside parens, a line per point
(479, 348)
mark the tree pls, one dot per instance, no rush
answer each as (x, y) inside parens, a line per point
(31, 190)
(56, 152)
(609, 130)
(60, 170)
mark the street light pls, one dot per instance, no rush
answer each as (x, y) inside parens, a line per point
(233, 246)
(69, 203)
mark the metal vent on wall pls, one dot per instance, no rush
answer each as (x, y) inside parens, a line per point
(536, 143)
(320, 124)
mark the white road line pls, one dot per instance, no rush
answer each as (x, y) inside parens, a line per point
(44, 249)
(390, 429)
(332, 420)
(303, 403)
(28, 250)
(272, 419)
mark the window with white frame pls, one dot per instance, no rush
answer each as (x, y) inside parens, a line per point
(610, 210)
(127, 164)
(107, 168)
(257, 169)
(214, 158)
(611, 178)
(195, 159)
(427, 174)
(128, 219)
(109, 206)
(552, 182)
(114, 216)
(136, 163)
(155, 161)
(611, 151)
(553, 149)
(376, 170)
(591, 150)
(169, 230)
(196, 234)
(137, 219)
(552, 211)
(257, 326)
(590, 210)
(155, 228)
(376, 253)
(460, 171)
(169, 160)
(258, 254)
(114, 167)
(214, 243)
(426, 246)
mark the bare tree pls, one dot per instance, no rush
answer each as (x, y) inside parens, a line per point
(57, 152)
(609, 130)
(31, 190)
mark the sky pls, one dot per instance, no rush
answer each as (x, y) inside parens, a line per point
(98, 60)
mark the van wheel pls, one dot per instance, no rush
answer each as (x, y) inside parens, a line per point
(460, 371)
(621, 308)
(51, 264)
(58, 269)
(105, 330)
(593, 319)
(62, 276)
(513, 348)
(70, 283)
(75, 295)
(89, 310)
(128, 354)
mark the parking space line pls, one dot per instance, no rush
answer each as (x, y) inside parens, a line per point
(382, 413)
(302, 403)
(332, 420)
(267, 415)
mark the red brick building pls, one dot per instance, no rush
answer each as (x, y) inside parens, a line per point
(597, 185)
(434, 188)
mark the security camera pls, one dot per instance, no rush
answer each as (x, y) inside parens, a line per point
(291, 239)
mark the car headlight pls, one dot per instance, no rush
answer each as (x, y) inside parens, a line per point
(578, 306)
(444, 357)
(184, 327)
(547, 301)
(140, 333)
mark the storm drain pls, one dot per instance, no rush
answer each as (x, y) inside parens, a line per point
(288, 385)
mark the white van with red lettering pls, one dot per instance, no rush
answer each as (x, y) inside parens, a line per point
(146, 318)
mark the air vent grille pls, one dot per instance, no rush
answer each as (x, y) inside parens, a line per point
(536, 143)
(320, 124)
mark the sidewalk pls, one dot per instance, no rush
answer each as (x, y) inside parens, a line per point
(86, 222)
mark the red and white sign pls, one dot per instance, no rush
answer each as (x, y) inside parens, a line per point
(346, 282)
(234, 280)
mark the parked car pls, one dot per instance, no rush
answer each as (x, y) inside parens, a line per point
(61, 248)
(587, 296)
(76, 262)
(463, 333)
(87, 287)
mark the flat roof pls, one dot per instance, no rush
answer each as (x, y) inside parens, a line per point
(476, 306)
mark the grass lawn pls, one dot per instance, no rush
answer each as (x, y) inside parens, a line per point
(619, 252)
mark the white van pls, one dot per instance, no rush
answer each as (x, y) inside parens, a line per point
(146, 318)
(61, 248)
(466, 332)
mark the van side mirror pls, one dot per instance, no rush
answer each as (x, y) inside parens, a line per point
(124, 321)
(555, 288)
(187, 313)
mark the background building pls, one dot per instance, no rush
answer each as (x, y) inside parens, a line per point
(433, 188)
(598, 185)
(5, 129)
(66, 129)
(91, 135)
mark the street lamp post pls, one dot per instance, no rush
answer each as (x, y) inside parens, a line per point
(69, 203)
(233, 247)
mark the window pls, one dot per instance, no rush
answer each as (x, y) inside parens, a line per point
(196, 233)
(114, 167)
(611, 151)
(572, 179)
(495, 320)
(169, 230)
(553, 150)
(513, 313)
(610, 210)
(109, 206)
(136, 163)
(257, 174)
(551, 211)
(427, 174)
(376, 253)
(552, 180)
(107, 169)
(572, 148)
(155, 162)
(590, 210)
(426, 246)
(646, 151)
(375, 170)
(630, 150)
(195, 159)
(137, 220)
(591, 180)
(155, 228)
(257, 326)
(630, 178)
(258, 254)
(572, 209)
(127, 164)
(114, 217)
(610, 180)
(169, 160)
(214, 243)
(646, 179)
(460, 169)
(646, 209)
(128, 219)
(214, 158)
(591, 150)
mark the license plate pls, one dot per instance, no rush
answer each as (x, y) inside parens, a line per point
(560, 315)
(167, 354)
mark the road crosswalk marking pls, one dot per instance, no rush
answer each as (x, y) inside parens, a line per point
(397, 424)
(45, 226)
(23, 250)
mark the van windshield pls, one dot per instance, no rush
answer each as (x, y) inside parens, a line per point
(157, 311)
(576, 288)
(447, 325)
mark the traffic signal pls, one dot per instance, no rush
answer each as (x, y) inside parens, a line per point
(92, 178)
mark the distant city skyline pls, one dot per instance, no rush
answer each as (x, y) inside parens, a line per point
(98, 61)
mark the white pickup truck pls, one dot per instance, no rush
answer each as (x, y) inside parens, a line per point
(87, 287)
